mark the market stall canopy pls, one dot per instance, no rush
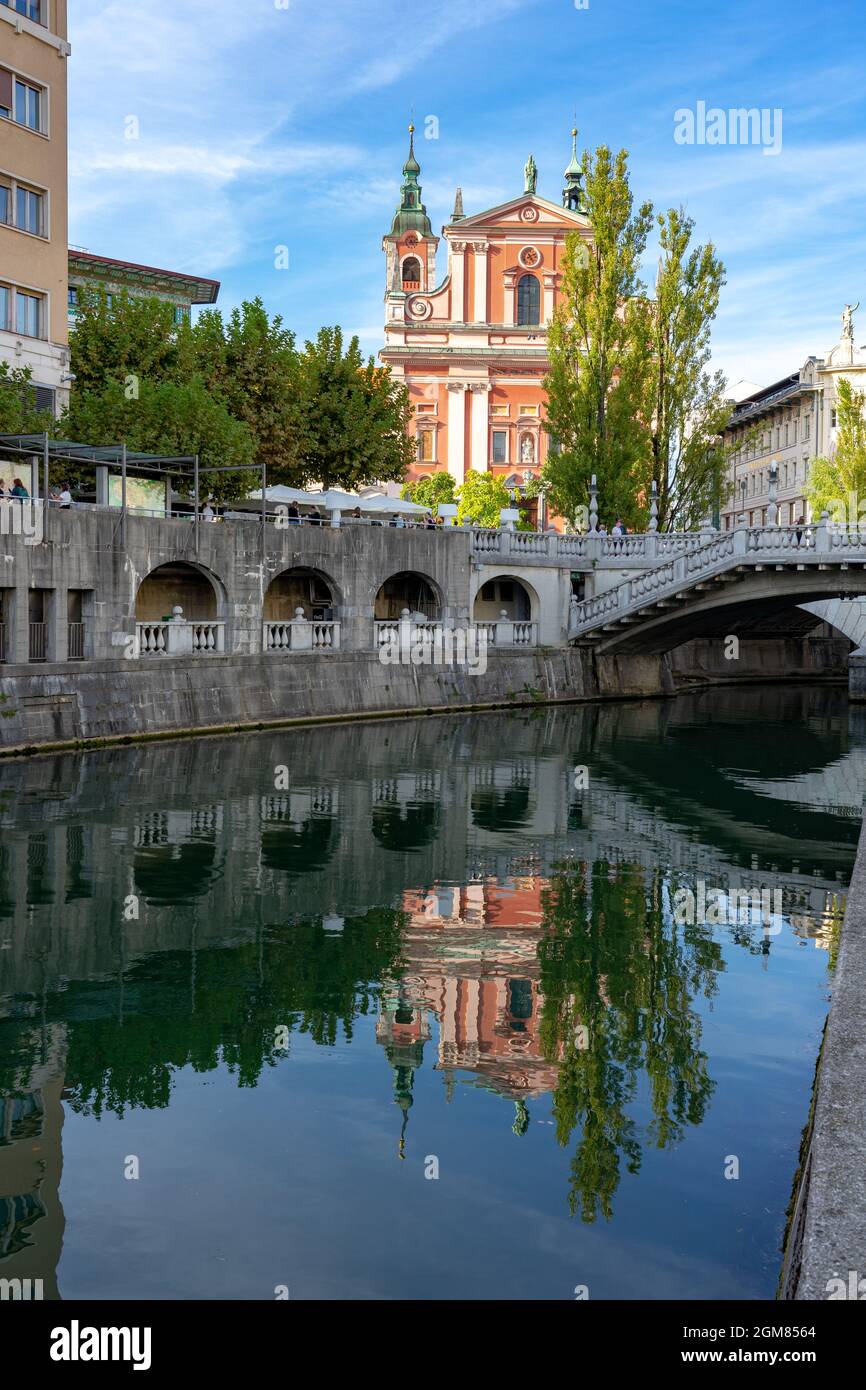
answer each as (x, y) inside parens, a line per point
(332, 500)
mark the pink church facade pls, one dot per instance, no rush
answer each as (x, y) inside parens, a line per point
(472, 348)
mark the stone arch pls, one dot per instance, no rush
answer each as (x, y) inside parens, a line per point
(180, 583)
(495, 592)
(301, 586)
(407, 589)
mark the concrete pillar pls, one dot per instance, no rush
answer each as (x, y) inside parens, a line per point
(857, 675)
(302, 633)
(504, 630)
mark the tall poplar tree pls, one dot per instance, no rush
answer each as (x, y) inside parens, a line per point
(685, 405)
(596, 385)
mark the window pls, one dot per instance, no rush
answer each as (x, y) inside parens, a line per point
(72, 296)
(180, 314)
(28, 315)
(5, 203)
(28, 105)
(528, 301)
(500, 446)
(6, 85)
(28, 214)
(5, 301)
(833, 419)
(529, 410)
(32, 9)
(412, 272)
(425, 446)
(499, 410)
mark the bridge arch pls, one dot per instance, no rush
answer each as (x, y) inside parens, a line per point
(751, 603)
(301, 586)
(180, 583)
(407, 589)
(499, 591)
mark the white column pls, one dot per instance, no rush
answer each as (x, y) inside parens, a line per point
(508, 309)
(456, 430)
(458, 272)
(480, 248)
(480, 451)
(547, 311)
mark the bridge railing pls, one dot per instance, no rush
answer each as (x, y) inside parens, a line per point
(689, 562)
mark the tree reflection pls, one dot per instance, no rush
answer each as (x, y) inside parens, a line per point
(618, 981)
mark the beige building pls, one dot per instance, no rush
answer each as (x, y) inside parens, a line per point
(776, 431)
(33, 194)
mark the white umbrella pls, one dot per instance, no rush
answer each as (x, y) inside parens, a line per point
(380, 503)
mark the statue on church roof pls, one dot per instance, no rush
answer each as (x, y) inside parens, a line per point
(848, 319)
(530, 175)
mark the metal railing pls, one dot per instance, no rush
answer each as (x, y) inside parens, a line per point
(75, 650)
(38, 641)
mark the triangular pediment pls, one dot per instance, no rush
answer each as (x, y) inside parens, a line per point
(529, 210)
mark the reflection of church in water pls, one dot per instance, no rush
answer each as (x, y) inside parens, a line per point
(31, 1215)
(471, 962)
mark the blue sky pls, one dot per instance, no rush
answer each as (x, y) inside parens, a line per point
(264, 123)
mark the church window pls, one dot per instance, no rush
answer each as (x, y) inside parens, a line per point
(425, 446)
(528, 301)
(500, 446)
(412, 272)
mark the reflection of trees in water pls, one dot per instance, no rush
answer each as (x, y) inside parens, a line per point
(310, 980)
(303, 851)
(407, 827)
(618, 969)
(495, 808)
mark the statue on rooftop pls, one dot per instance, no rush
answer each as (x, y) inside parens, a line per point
(848, 319)
(530, 175)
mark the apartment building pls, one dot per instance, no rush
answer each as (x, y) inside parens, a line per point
(776, 431)
(90, 272)
(33, 194)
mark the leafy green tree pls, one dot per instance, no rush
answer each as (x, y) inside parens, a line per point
(127, 339)
(838, 484)
(250, 361)
(597, 347)
(481, 497)
(429, 492)
(352, 417)
(685, 404)
(18, 412)
(169, 418)
(618, 980)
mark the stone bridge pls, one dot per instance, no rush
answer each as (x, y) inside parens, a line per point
(744, 581)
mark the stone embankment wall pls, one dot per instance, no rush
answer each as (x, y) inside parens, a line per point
(167, 695)
(826, 1248)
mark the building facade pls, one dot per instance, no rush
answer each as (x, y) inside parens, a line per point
(775, 432)
(472, 348)
(33, 194)
(87, 271)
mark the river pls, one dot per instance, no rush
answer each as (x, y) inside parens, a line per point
(519, 1005)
